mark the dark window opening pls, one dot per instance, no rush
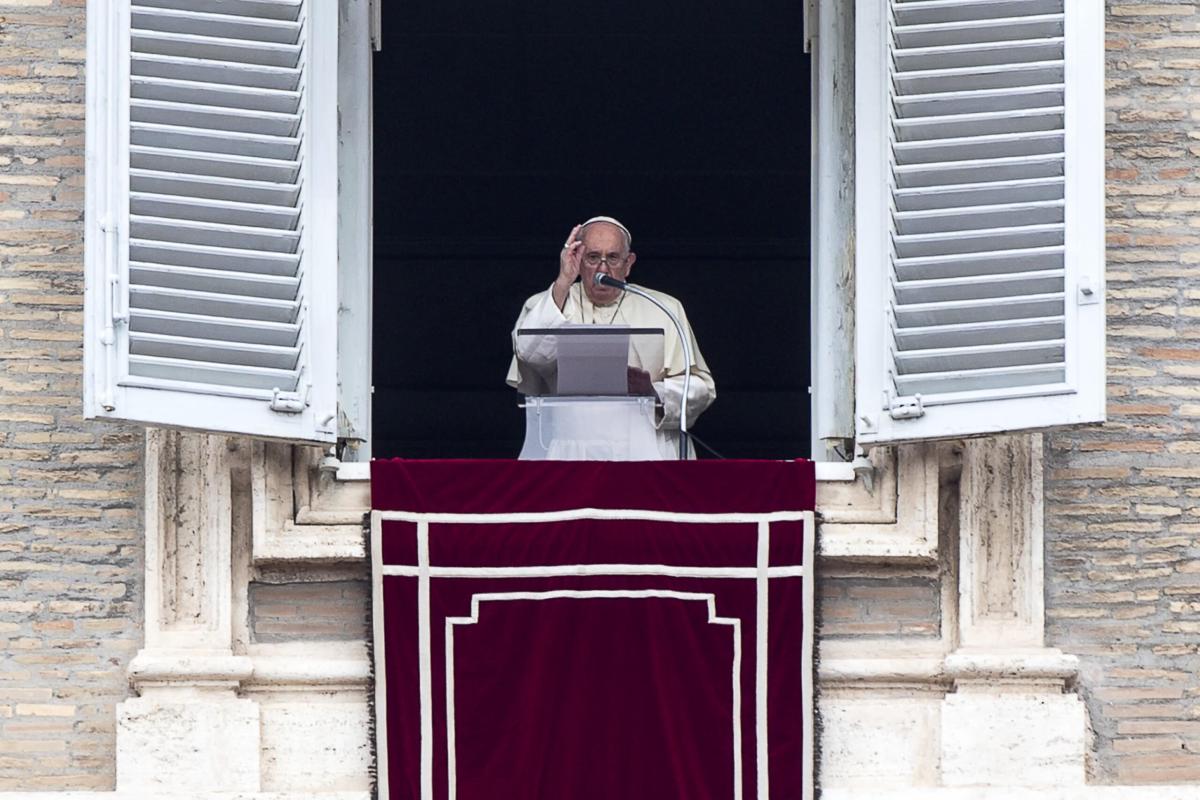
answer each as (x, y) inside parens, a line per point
(500, 125)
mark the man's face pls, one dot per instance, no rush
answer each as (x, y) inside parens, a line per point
(604, 251)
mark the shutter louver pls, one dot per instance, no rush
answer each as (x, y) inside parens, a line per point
(223, 268)
(963, 99)
(252, 108)
(978, 298)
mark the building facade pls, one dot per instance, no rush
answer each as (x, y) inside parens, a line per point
(1002, 616)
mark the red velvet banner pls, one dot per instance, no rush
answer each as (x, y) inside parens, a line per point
(585, 630)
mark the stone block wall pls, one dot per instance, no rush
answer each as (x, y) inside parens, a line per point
(1123, 501)
(333, 610)
(884, 603)
(1122, 505)
(70, 542)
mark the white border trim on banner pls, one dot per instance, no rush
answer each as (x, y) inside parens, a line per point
(379, 651)
(808, 595)
(572, 514)
(425, 658)
(761, 588)
(587, 570)
(762, 573)
(709, 599)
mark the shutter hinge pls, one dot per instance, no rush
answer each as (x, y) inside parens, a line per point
(112, 302)
(287, 402)
(120, 310)
(905, 407)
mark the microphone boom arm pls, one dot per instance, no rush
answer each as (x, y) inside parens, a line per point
(605, 280)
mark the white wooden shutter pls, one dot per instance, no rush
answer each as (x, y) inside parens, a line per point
(211, 297)
(980, 228)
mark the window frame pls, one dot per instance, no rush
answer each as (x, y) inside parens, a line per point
(845, 368)
(357, 40)
(832, 188)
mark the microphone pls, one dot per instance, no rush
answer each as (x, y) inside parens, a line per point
(607, 280)
(600, 279)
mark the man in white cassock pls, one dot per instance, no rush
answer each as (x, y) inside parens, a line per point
(603, 245)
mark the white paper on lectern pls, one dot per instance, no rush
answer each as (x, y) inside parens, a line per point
(594, 364)
(585, 360)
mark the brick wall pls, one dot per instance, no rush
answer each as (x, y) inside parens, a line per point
(70, 547)
(318, 611)
(1122, 511)
(874, 603)
(1123, 521)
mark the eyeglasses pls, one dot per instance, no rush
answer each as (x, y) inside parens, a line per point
(613, 260)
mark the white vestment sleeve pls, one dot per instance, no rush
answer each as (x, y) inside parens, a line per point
(537, 352)
(701, 392)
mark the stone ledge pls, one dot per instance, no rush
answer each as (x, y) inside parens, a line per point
(888, 513)
(138, 795)
(163, 667)
(1033, 664)
(276, 672)
(1126, 792)
(862, 672)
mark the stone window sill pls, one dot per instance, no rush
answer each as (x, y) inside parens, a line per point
(305, 511)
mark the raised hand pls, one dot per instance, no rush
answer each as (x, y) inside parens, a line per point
(569, 259)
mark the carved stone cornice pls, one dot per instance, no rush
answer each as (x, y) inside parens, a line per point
(301, 512)
(893, 517)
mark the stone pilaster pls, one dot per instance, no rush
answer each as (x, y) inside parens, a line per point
(1010, 719)
(188, 730)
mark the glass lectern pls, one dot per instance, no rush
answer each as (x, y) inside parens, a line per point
(588, 392)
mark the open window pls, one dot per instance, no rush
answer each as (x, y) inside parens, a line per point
(229, 212)
(497, 130)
